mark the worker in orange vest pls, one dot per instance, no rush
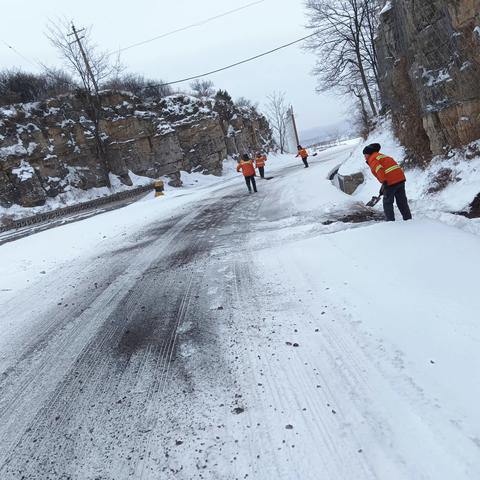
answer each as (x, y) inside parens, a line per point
(260, 163)
(390, 174)
(304, 154)
(248, 170)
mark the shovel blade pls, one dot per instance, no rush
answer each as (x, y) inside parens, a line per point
(373, 201)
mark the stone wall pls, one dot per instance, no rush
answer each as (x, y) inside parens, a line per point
(429, 61)
(49, 147)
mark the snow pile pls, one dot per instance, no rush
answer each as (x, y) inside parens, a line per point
(17, 150)
(24, 171)
(448, 184)
(8, 112)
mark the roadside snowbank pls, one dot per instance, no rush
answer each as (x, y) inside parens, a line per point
(397, 295)
(383, 135)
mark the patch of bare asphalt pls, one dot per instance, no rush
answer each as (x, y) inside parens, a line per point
(358, 216)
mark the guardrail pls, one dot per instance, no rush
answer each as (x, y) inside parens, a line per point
(61, 212)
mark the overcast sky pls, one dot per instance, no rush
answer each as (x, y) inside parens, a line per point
(240, 35)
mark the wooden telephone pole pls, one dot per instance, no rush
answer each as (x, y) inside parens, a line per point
(88, 68)
(95, 104)
(294, 125)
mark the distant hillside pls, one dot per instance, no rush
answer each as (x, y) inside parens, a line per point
(334, 131)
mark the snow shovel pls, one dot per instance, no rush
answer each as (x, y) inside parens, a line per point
(375, 200)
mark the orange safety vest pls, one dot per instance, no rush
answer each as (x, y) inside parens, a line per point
(247, 168)
(386, 169)
(303, 153)
(260, 161)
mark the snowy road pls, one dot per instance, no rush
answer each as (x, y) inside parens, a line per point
(225, 336)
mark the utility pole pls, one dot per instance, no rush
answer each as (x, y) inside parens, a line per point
(77, 40)
(94, 103)
(294, 125)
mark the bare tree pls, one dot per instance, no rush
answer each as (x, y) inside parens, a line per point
(345, 45)
(277, 113)
(243, 102)
(102, 68)
(92, 68)
(59, 81)
(202, 88)
(17, 86)
(361, 118)
(139, 86)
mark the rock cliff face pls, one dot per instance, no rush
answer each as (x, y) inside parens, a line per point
(48, 148)
(429, 62)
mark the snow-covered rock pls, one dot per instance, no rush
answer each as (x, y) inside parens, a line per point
(151, 139)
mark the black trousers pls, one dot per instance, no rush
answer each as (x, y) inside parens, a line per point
(396, 193)
(305, 161)
(262, 171)
(251, 181)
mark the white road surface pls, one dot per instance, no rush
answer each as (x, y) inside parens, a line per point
(213, 334)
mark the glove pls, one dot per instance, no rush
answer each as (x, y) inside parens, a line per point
(383, 188)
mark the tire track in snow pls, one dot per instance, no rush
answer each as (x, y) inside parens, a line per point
(165, 363)
(377, 403)
(257, 450)
(289, 392)
(68, 404)
(26, 395)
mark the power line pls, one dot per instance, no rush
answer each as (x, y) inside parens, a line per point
(181, 29)
(240, 62)
(18, 53)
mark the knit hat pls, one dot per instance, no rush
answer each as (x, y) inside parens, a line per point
(372, 148)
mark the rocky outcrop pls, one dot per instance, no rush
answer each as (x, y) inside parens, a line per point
(349, 183)
(242, 127)
(48, 148)
(429, 62)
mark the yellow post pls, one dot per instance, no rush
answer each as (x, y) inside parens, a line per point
(158, 188)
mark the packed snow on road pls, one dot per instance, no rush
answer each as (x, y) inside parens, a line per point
(217, 334)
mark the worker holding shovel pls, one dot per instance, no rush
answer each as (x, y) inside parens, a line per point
(260, 160)
(302, 152)
(391, 176)
(248, 170)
